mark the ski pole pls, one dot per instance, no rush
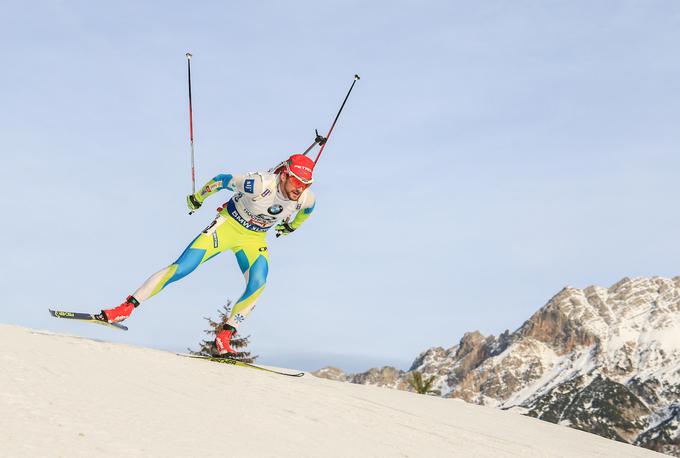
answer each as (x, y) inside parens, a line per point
(323, 145)
(191, 129)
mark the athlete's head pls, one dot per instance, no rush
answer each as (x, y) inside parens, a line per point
(295, 175)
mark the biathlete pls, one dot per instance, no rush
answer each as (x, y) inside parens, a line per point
(260, 201)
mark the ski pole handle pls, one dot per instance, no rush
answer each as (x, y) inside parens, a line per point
(318, 140)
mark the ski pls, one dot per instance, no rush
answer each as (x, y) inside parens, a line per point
(235, 362)
(88, 317)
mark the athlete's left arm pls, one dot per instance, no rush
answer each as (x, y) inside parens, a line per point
(305, 211)
(250, 183)
(222, 181)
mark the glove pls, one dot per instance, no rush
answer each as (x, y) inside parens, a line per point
(283, 228)
(193, 203)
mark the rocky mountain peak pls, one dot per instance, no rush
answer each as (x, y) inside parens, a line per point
(559, 324)
(605, 360)
(471, 342)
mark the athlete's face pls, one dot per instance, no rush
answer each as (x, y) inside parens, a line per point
(292, 187)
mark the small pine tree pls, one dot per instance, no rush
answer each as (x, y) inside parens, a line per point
(422, 386)
(207, 346)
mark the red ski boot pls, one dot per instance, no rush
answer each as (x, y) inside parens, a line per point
(121, 312)
(223, 339)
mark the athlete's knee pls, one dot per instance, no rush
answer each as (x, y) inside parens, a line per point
(257, 278)
(184, 269)
(187, 263)
(257, 275)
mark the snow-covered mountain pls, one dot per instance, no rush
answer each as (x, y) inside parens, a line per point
(601, 360)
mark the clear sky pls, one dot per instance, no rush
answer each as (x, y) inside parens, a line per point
(492, 153)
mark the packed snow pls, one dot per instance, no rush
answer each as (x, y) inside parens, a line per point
(68, 396)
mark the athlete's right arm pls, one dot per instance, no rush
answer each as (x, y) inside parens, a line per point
(250, 183)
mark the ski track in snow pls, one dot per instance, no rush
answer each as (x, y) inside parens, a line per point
(64, 396)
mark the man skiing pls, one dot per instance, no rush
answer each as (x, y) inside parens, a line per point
(260, 201)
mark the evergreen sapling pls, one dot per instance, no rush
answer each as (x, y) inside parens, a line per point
(207, 346)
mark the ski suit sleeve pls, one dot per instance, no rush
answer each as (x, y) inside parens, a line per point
(305, 211)
(250, 183)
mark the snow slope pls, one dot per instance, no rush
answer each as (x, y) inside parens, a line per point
(68, 396)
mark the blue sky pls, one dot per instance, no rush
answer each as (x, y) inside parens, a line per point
(492, 153)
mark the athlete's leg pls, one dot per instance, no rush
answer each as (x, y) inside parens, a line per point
(213, 240)
(201, 249)
(253, 259)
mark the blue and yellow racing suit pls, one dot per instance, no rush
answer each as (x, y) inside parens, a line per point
(240, 226)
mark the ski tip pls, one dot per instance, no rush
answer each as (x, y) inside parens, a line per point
(87, 317)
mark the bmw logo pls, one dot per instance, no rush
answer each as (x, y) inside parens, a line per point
(275, 209)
